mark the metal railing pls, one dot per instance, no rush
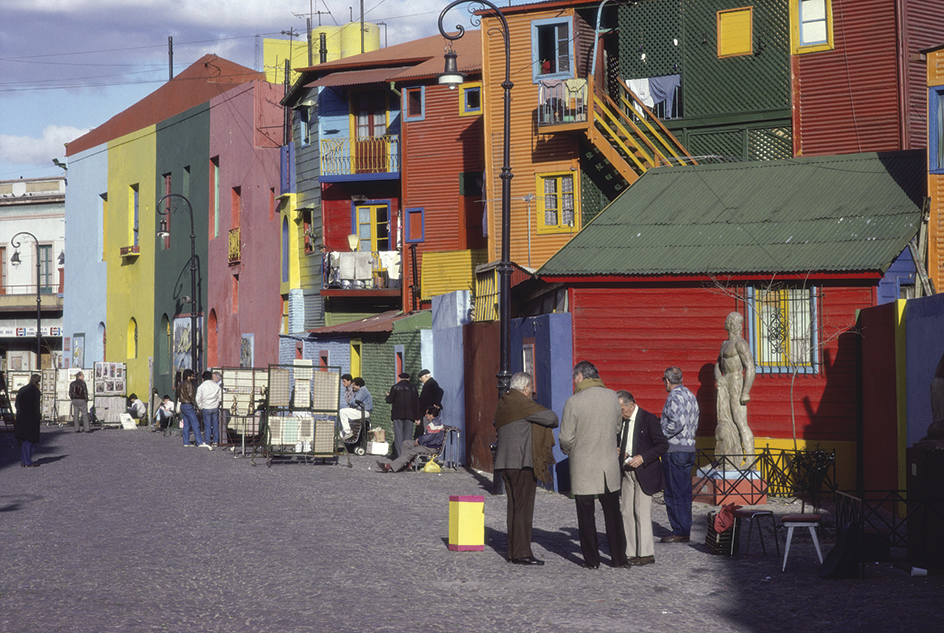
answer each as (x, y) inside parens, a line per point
(562, 102)
(350, 156)
(235, 245)
(786, 473)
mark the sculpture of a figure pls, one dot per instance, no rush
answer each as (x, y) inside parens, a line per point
(734, 375)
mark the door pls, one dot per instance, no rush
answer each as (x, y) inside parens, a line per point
(370, 129)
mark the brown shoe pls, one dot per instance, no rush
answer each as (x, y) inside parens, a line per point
(637, 561)
(674, 538)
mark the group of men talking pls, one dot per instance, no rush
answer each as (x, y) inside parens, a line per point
(618, 453)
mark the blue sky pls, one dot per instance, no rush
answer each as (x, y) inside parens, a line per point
(67, 66)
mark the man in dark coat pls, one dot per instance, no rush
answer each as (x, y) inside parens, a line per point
(432, 393)
(405, 410)
(28, 418)
(78, 393)
(642, 443)
(524, 455)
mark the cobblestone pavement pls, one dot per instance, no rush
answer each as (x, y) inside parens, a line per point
(129, 531)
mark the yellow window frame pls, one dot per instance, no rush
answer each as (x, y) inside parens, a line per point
(464, 110)
(736, 32)
(796, 45)
(555, 201)
(373, 223)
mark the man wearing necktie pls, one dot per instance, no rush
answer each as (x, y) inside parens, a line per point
(641, 444)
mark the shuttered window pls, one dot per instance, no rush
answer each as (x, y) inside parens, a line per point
(735, 32)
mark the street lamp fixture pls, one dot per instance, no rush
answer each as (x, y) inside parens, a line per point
(15, 260)
(452, 77)
(163, 233)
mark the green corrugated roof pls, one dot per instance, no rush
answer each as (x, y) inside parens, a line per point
(828, 214)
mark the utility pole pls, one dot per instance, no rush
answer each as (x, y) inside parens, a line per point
(170, 57)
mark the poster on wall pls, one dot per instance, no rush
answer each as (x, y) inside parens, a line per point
(183, 339)
(247, 350)
(78, 350)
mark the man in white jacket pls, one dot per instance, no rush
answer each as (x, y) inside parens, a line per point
(209, 395)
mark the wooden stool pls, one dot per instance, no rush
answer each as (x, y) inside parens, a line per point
(791, 521)
(750, 516)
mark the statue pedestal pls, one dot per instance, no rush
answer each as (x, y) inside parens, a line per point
(720, 487)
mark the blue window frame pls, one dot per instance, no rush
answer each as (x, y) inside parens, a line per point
(936, 130)
(414, 103)
(414, 225)
(782, 328)
(552, 48)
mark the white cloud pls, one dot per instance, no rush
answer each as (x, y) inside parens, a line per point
(26, 150)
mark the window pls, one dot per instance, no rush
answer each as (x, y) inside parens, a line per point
(936, 130)
(234, 291)
(304, 121)
(355, 357)
(372, 227)
(215, 196)
(132, 339)
(414, 225)
(783, 329)
(309, 236)
(133, 214)
(413, 103)
(811, 25)
(735, 35)
(552, 51)
(556, 205)
(164, 215)
(45, 269)
(236, 206)
(470, 99)
(397, 362)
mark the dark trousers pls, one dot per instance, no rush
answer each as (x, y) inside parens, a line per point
(677, 468)
(26, 452)
(402, 431)
(520, 486)
(587, 527)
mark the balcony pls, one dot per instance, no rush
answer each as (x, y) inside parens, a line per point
(130, 251)
(563, 104)
(235, 246)
(372, 158)
(361, 273)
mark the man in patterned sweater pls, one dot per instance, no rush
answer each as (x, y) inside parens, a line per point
(679, 422)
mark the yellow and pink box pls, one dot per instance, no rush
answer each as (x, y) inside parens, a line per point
(466, 523)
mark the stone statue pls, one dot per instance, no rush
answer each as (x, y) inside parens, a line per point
(734, 375)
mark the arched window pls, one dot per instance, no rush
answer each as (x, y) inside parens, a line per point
(212, 356)
(132, 338)
(101, 333)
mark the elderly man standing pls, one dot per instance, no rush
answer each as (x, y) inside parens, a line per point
(28, 419)
(78, 393)
(404, 411)
(641, 445)
(525, 455)
(679, 423)
(589, 428)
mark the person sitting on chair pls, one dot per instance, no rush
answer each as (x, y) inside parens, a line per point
(164, 414)
(427, 444)
(362, 402)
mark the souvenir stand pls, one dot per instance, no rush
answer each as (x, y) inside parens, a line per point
(242, 409)
(109, 387)
(302, 412)
(15, 380)
(64, 378)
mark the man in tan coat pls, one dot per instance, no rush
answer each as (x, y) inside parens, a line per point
(588, 435)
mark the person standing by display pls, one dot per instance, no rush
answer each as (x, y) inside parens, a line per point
(28, 418)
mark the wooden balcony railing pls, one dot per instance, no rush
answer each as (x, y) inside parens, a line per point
(352, 156)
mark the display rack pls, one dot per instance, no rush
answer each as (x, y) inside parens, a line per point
(302, 412)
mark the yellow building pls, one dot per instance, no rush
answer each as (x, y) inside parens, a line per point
(339, 42)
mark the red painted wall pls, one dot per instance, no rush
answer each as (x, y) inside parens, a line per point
(249, 159)
(435, 152)
(336, 208)
(879, 398)
(632, 334)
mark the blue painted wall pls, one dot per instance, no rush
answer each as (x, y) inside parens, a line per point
(84, 300)
(553, 362)
(901, 272)
(450, 313)
(924, 326)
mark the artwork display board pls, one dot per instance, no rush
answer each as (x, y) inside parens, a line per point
(302, 411)
(110, 379)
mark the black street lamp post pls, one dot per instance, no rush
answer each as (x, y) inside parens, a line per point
(15, 259)
(164, 233)
(452, 77)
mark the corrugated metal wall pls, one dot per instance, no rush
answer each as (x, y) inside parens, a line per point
(847, 98)
(923, 28)
(633, 334)
(445, 272)
(936, 231)
(531, 153)
(437, 151)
